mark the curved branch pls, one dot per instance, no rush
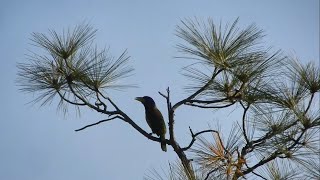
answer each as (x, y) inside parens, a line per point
(206, 102)
(261, 162)
(210, 107)
(67, 100)
(243, 123)
(309, 104)
(100, 101)
(216, 72)
(195, 135)
(256, 173)
(105, 120)
(267, 136)
(212, 171)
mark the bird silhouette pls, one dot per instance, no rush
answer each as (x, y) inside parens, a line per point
(154, 119)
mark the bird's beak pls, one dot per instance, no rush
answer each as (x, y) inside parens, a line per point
(139, 99)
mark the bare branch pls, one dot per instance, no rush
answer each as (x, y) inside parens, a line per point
(210, 107)
(102, 95)
(309, 104)
(267, 136)
(262, 162)
(163, 95)
(100, 102)
(259, 175)
(244, 123)
(216, 72)
(212, 171)
(113, 104)
(195, 135)
(206, 102)
(105, 120)
(71, 102)
(81, 98)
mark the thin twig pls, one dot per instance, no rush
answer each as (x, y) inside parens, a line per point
(268, 135)
(195, 135)
(256, 173)
(259, 175)
(309, 104)
(113, 104)
(209, 173)
(262, 162)
(243, 122)
(105, 120)
(206, 102)
(71, 102)
(216, 72)
(101, 103)
(163, 95)
(210, 107)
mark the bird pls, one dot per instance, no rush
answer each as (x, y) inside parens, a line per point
(154, 119)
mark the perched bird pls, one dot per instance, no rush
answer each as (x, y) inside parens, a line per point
(154, 119)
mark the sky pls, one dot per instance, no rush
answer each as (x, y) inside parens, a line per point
(40, 143)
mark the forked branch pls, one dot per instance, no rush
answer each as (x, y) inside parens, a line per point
(194, 135)
(174, 144)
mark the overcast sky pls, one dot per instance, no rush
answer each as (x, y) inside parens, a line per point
(39, 143)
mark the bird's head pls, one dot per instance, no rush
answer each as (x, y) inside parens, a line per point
(146, 101)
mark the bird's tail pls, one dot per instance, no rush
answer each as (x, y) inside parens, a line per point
(163, 143)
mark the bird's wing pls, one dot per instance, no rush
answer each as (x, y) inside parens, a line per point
(160, 121)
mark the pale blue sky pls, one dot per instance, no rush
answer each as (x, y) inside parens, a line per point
(39, 143)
